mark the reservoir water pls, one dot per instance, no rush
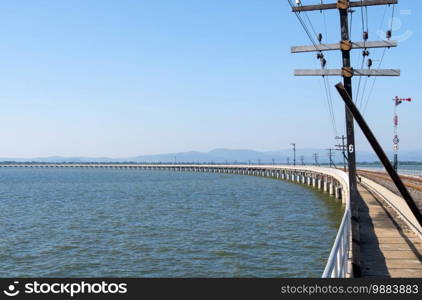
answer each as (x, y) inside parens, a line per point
(133, 223)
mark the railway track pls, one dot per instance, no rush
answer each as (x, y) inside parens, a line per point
(411, 182)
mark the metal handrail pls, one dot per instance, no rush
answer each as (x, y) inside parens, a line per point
(337, 264)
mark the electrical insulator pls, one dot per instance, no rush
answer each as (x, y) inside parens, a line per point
(298, 2)
(323, 63)
(365, 53)
(320, 56)
(389, 34)
(369, 63)
(319, 37)
(365, 35)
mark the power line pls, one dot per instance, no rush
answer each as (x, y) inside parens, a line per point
(382, 58)
(367, 18)
(310, 23)
(330, 104)
(328, 84)
(363, 93)
(373, 83)
(365, 35)
(362, 16)
(326, 81)
(303, 24)
(329, 108)
(351, 23)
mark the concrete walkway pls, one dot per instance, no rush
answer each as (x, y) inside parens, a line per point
(388, 247)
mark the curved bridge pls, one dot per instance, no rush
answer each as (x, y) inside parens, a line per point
(328, 180)
(390, 238)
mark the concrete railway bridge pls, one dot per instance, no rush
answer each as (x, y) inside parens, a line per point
(390, 243)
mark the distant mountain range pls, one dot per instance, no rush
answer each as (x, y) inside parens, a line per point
(227, 155)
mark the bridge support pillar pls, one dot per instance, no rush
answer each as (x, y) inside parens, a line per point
(332, 192)
(338, 192)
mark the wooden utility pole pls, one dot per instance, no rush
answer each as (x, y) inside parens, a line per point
(316, 156)
(380, 152)
(342, 148)
(294, 154)
(347, 72)
(330, 157)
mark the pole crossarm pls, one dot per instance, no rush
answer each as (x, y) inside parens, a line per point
(337, 46)
(334, 5)
(340, 72)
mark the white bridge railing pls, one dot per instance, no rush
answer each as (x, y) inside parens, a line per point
(338, 261)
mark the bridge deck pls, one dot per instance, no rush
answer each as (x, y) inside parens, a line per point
(388, 248)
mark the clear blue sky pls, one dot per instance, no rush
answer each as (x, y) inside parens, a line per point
(129, 77)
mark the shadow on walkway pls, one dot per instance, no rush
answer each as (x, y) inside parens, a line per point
(373, 262)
